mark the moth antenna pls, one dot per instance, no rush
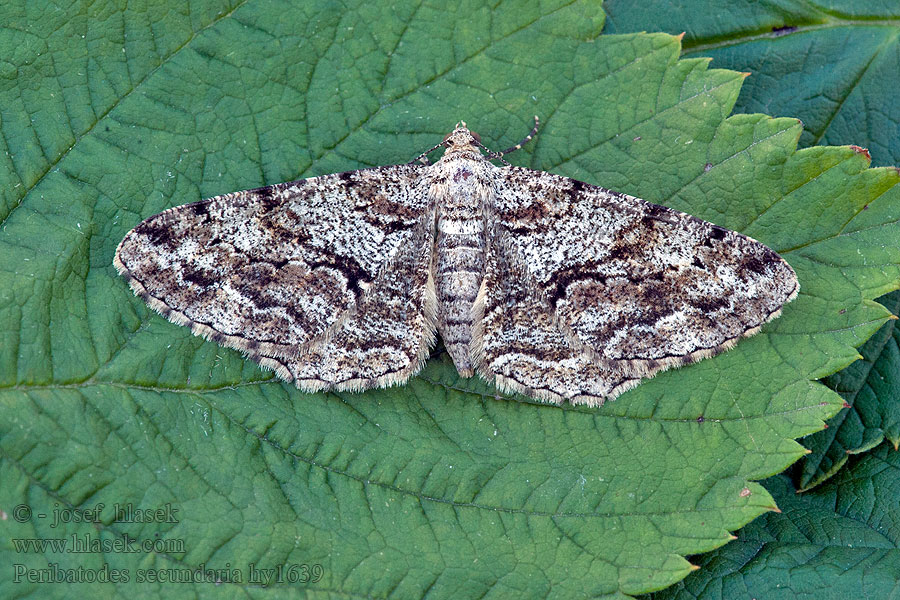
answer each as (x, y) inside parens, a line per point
(491, 155)
(525, 140)
(423, 158)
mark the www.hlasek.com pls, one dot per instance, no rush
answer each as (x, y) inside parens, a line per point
(89, 544)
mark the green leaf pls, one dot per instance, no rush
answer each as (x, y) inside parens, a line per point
(833, 64)
(841, 540)
(441, 486)
(870, 387)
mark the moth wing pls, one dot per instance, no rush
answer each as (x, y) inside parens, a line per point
(519, 346)
(277, 271)
(385, 340)
(637, 286)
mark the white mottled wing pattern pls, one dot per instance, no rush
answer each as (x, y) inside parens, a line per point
(621, 287)
(281, 273)
(385, 340)
(520, 346)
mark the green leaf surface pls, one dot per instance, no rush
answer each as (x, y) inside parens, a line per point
(440, 487)
(842, 540)
(835, 64)
(871, 389)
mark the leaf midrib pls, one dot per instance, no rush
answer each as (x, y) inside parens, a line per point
(204, 392)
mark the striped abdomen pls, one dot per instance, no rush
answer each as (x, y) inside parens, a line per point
(459, 261)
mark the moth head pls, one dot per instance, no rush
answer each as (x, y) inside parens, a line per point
(461, 137)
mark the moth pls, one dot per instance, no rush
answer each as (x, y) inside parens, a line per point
(545, 285)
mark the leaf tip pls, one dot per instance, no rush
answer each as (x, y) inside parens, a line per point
(846, 405)
(774, 509)
(732, 537)
(746, 74)
(680, 36)
(694, 567)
